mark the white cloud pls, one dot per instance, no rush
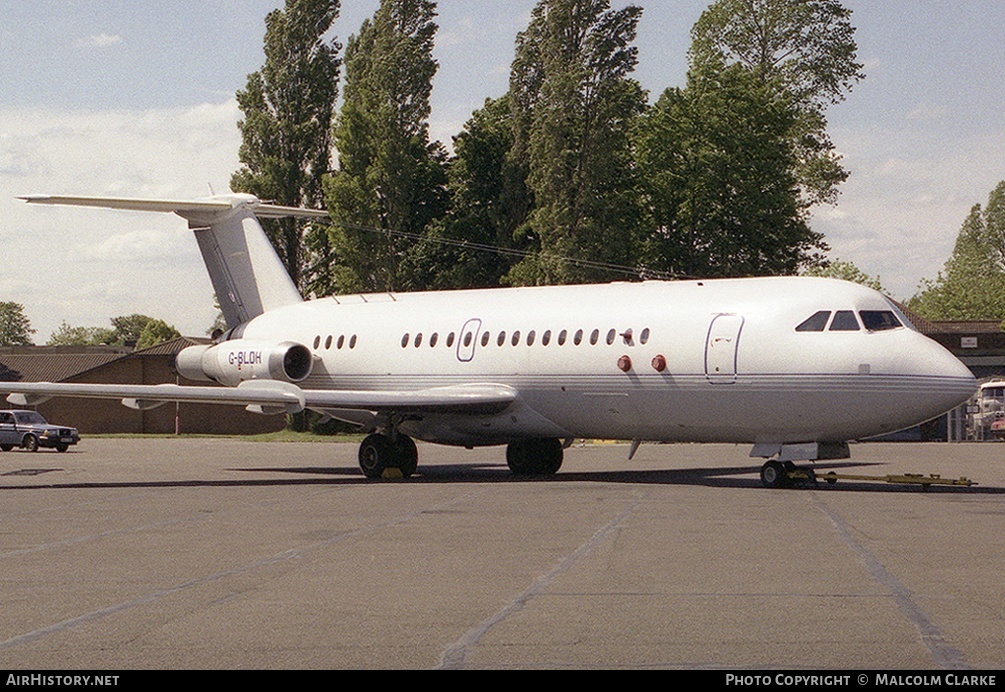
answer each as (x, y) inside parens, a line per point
(900, 212)
(87, 265)
(98, 41)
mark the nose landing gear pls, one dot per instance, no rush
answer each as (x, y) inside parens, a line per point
(775, 474)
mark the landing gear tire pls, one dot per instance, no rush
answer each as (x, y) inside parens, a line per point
(539, 457)
(377, 454)
(407, 456)
(774, 475)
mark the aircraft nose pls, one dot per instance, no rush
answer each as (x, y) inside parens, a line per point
(949, 382)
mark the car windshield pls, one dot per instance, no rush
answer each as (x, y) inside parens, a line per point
(29, 418)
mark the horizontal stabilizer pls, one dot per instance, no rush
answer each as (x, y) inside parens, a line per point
(246, 273)
(221, 204)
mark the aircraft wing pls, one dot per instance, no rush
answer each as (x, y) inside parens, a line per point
(269, 396)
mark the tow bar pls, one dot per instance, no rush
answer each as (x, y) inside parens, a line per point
(897, 478)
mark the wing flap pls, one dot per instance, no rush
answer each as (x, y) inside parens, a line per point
(267, 396)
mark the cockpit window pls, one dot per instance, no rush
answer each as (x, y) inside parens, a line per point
(879, 320)
(817, 323)
(844, 321)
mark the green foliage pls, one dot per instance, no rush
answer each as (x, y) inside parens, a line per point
(803, 48)
(127, 329)
(717, 167)
(155, 332)
(138, 330)
(972, 285)
(486, 206)
(65, 335)
(846, 271)
(15, 327)
(574, 105)
(390, 178)
(286, 132)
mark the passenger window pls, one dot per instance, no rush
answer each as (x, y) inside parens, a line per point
(467, 339)
(531, 335)
(644, 337)
(328, 343)
(817, 323)
(418, 340)
(610, 336)
(352, 342)
(450, 340)
(432, 340)
(546, 338)
(879, 320)
(844, 321)
(317, 342)
(578, 338)
(485, 339)
(404, 341)
(594, 337)
(341, 342)
(516, 338)
(562, 336)
(502, 339)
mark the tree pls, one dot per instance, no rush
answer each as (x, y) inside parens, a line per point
(139, 331)
(846, 271)
(805, 48)
(717, 172)
(286, 132)
(390, 182)
(972, 284)
(573, 107)
(156, 332)
(127, 329)
(15, 328)
(65, 335)
(471, 245)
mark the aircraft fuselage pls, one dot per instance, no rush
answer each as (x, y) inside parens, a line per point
(708, 361)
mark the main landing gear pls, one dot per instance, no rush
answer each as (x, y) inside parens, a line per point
(386, 456)
(395, 456)
(536, 457)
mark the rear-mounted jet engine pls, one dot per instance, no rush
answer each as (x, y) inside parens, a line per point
(233, 362)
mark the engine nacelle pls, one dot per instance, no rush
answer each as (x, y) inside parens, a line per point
(233, 362)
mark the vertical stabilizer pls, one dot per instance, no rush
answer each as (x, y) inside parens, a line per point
(247, 275)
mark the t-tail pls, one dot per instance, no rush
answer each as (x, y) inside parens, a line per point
(247, 274)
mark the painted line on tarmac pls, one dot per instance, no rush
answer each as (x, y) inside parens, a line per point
(157, 595)
(456, 655)
(944, 655)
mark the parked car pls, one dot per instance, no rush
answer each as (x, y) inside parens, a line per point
(27, 429)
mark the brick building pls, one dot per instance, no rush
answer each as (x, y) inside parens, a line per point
(121, 365)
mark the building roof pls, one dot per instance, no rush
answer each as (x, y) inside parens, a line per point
(53, 363)
(61, 363)
(968, 326)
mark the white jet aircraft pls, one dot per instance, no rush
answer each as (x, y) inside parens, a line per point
(794, 366)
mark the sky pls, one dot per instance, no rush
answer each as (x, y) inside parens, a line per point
(115, 97)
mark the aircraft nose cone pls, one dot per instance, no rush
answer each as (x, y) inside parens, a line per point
(950, 381)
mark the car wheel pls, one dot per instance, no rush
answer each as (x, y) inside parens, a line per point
(30, 443)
